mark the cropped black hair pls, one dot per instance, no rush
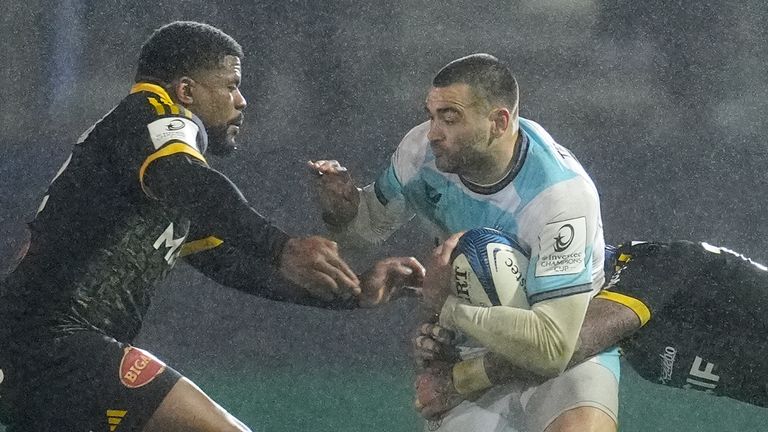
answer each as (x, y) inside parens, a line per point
(182, 48)
(490, 79)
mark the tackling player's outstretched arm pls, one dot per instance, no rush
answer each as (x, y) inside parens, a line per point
(214, 204)
(230, 267)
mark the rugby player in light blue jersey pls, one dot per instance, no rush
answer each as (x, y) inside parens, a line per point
(476, 163)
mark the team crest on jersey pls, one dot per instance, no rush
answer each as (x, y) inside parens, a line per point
(138, 367)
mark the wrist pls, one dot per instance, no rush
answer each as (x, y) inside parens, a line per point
(278, 247)
(469, 376)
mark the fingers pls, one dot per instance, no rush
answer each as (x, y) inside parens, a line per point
(417, 270)
(323, 167)
(426, 348)
(314, 263)
(447, 248)
(345, 286)
(405, 271)
(345, 274)
(324, 287)
(438, 333)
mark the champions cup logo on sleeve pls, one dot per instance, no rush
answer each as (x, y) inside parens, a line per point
(562, 248)
(167, 129)
(564, 237)
(139, 368)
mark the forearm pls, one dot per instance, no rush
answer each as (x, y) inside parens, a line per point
(374, 222)
(540, 340)
(231, 268)
(606, 323)
(213, 202)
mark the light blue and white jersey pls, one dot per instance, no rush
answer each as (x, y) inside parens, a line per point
(547, 201)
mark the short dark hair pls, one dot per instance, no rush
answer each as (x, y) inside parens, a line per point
(489, 78)
(182, 48)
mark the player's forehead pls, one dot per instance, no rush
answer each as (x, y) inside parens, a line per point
(230, 69)
(455, 96)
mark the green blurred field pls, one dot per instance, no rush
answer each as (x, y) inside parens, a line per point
(379, 400)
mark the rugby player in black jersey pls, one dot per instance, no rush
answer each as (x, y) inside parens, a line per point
(136, 193)
(687, 315)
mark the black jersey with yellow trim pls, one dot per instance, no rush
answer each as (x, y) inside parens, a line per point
(99, 241)
(703, 310)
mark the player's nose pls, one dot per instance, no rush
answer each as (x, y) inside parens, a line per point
(240, 102)
(434, 134)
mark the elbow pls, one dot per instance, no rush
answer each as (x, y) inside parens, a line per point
(552, 360)
(552, 366)
(558, 356)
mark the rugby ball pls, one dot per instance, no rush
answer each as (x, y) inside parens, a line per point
(489, 268)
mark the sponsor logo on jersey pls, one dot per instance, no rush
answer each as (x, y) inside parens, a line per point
(562, 248)
(138, 367)
(667, 364)
(172, 244)
(114, 417)
(702, 378)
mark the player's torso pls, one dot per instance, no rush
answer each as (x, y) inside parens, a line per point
(99, 243)
(516, 204)
(707, 326)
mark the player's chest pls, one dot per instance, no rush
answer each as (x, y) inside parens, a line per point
(452, 206)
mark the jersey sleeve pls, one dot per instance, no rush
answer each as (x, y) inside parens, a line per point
(383, 205)
(567, 220)
(230, 267)
(541, 340)
(172, 134)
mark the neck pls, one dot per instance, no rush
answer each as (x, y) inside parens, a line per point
(497, 163)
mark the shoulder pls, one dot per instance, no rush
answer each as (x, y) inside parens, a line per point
(163, 121)
(412, 153)
(550, 172)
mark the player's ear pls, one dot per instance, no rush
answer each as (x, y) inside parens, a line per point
(501, 121)
(183, 90)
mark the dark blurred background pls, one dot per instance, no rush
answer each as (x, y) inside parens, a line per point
(662, 101)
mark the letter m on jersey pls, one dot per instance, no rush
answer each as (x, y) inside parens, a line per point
(166, 239)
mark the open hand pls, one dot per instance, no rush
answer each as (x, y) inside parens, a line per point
(314, 264)
(386, 279)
